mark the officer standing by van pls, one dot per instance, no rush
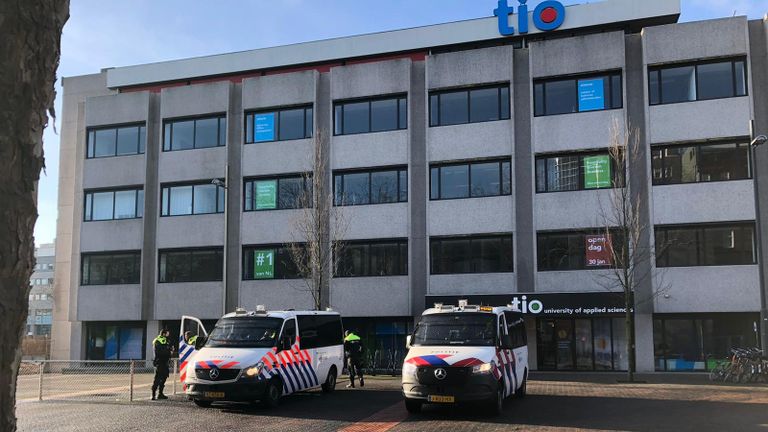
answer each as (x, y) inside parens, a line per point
(163, 350)
(353, 349)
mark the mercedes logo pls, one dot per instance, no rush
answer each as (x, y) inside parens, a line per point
(213, 373)
(440, 373)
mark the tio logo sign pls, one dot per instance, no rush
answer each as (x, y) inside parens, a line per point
(525, 306)
(547, 16)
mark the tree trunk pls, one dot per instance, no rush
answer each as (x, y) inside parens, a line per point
(629, 323)
(30, 38)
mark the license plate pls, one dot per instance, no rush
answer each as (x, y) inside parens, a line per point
(214, 395)
(441, 399)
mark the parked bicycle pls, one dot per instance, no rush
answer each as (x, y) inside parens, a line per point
(745, 365)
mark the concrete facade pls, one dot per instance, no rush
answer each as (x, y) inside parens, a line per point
(520, 139)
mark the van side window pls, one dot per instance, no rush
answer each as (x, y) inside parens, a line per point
(504, 335)
(317, 331)
(516, 329)
(289, 331)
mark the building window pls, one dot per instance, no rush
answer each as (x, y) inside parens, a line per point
(290, 192)
(451, 107)
(111, 268)
(470, 179)
(577, 171)
(697, 81)
(380, 186)
(367, 258)
(115, 341)
(195, 133)
(571, 95)
(475, 254)
(191, 265)
(269, 262)
(43, 330)
(279, 125)
(700, 163)
(371, 115)
(577, 250)
(43, 317)
(101, 205)
(116, 141)
(705, 245)
(192, 199)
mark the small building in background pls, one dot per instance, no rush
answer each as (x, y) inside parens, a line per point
(37, 335)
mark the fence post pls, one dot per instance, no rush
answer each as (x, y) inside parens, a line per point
(131, 372)
(40, 381)
(175, 372)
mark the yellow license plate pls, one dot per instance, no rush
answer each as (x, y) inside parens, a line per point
(214, 395)
(441, 399)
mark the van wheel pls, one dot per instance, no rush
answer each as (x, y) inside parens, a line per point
(523, 387)
(203, 403)
(330, 382)
(272, 395)
(413, 406)
(496, 405)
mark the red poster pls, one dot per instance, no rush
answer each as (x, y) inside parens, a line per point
(599, 253)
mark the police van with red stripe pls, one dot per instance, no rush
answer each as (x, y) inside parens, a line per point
(466, 353)
(260, 355)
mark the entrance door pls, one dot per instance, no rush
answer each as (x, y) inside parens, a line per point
(564, 340)
(583, 340)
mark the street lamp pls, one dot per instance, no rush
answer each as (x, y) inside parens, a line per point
(756, 142)
(223, 184)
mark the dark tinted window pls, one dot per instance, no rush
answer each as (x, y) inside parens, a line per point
(269, 262)
(115, 268)
(699, 81)
(201, 198)
(705, 245)
(370, 115)
(577, 250)
(318, 331)
(571, 172)
(191, 265)
(370, 187)
(477, 254)
(470, 180)
(452, 107)
(585, 93)
(373, 258)
(194, 133)
(700, 163)
(115, 141)
(278, 125)
(109, 205)
(278, 193)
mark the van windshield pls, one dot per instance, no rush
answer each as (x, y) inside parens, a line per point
(469, 329)
(246, 332)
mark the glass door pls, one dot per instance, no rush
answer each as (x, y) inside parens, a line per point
(564, 340)
(583, 342)
(546, 344)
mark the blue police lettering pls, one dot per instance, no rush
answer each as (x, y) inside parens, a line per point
(547, 16)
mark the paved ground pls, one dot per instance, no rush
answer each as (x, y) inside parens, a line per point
(555, 402)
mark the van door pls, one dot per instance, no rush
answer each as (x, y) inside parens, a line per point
(519, 342)
(506, 358)
(187, 349)
(289, 359)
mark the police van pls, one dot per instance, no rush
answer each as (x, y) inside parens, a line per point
(260, 355)
(466, 353)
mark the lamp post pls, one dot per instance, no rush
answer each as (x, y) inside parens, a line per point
(755, 142)
(223, 185)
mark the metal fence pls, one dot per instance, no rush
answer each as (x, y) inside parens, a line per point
(384, 362)
(120, 380)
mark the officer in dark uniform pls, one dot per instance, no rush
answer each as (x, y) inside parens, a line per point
(353, 349)
(163, 351)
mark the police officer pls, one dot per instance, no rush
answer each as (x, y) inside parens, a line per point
(353, 349)
(163, 351)
(190, 338)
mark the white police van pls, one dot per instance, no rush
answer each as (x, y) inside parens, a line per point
(261, 355)
(466, 353)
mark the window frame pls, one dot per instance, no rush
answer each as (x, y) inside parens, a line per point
(108, 254)
(399, 241)
(398, 169)
(308, 186)
(615, 178)
(251, 115)
(607, 74)
(275, 247)
(699, 229)
(170, 121)
(137, 205)
(469, 163)
(92, 150)
(657, 68)
(698, 145)
(470, 238)
(219, 190)
(369, 100)
(160, 253)
(498, 86)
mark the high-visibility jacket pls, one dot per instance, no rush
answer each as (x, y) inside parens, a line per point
(353, 346)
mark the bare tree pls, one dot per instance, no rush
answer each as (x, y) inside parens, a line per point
(318, 230)
(631, 262)
(30, 43)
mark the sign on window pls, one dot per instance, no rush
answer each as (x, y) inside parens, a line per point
(597, 172)
(599, 250)
(264, 264)
(266, 194)
(264, 127)
(591, 95)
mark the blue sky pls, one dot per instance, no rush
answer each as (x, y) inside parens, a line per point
(103, 34)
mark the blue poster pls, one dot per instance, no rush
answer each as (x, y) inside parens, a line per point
(591, 95)
(264, 127)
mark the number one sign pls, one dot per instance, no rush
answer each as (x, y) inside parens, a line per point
(264, 264)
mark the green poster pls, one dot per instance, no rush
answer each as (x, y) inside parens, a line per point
(264, 264)
(597, 172)
(266, 194)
